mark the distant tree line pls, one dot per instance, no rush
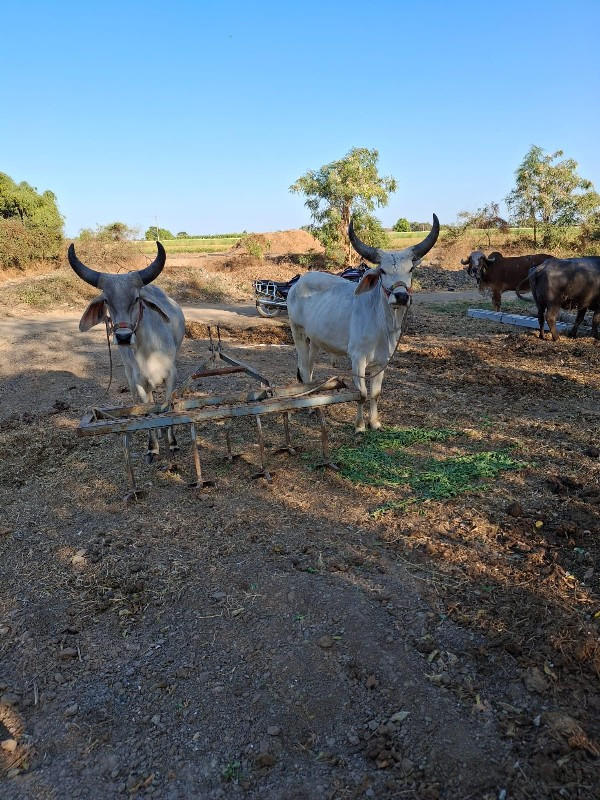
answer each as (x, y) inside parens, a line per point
(163, 234)
(31, 226)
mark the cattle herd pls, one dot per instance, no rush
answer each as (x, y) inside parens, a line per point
(328, 314)
(555, 283)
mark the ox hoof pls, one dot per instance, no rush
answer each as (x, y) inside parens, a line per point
(174, 448)
(375, 426)
(360, 431)
(149, 457)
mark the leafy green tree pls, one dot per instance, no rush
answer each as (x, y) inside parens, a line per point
(550, 194)
(342, 189)
(32, 226)
(183, 235)
(161, 233)
(402, 226)
(486, 218)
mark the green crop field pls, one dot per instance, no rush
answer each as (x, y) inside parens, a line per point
(201, 245)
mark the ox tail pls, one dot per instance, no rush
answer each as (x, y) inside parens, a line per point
(518, 290)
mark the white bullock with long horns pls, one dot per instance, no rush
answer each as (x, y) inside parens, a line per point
(327, 313)
(147, 325)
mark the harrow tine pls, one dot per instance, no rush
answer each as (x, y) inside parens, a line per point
(199, 483)
(287, 447)
(264, 472)
(134, 493)
(327, 463)
(231, 456)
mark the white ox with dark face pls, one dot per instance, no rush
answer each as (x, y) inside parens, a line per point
(327, 313)
(146, 323)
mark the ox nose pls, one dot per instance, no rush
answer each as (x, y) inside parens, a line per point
(401, 298)
(123, 337)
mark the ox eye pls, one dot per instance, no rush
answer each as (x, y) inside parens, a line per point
(382, 271)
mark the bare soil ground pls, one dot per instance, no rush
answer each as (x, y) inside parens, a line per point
(286, 640)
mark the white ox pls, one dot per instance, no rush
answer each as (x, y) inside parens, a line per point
(327, 313)
(147, 324)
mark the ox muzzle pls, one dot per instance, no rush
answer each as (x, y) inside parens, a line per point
(401, 294)
(124, 332)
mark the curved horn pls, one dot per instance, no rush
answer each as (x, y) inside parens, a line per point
(372, 254)
(153, 270)
(490, 258)
(419, 250)
(464, 261)
(85, 273)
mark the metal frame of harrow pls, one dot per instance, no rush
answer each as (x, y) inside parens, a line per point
(196, 409)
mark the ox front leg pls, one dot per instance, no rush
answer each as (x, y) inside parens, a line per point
(497, 299)
(359, 368)
(170, 386)
(572, 334)
(302, 344)
(595, 324)
(146, 396)
(376, 382)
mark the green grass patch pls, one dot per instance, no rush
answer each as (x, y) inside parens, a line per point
(217, 244)
(384, 460)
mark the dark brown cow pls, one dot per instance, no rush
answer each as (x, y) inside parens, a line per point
(498, 274)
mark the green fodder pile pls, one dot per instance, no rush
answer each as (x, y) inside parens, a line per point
(407, 459)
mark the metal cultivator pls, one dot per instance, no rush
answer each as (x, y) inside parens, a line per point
(190, 407)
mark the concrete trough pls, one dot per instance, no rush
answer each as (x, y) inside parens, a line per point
(520, 320)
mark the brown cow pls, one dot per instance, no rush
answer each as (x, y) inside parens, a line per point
(498, 274)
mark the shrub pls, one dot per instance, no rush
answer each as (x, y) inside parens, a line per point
(20, 243)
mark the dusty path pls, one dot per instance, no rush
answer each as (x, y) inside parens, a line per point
(237, 315)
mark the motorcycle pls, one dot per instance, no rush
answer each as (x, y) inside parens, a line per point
(271, 296)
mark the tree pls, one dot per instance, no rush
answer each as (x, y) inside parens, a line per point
(420, 226)
(402, 226)
(154, 233)
(549, 193)
(342, 189)
(32, 225)
(487, 218)
(183, 235)
(110, 247)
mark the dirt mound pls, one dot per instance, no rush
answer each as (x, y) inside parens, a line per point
(269, 333)
(281, 243)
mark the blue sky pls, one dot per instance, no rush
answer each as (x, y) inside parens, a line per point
(201, 114)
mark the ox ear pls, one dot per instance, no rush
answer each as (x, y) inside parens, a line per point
(368, 281)
(155, 304)
(94, 314)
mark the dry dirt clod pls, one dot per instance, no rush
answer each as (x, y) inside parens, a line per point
(9, 745)
(266, 760)
(71, 711)
(274, 730)
(371, 682)
(67, 653)
(326, 642)
(515, 509)
(10, 699)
